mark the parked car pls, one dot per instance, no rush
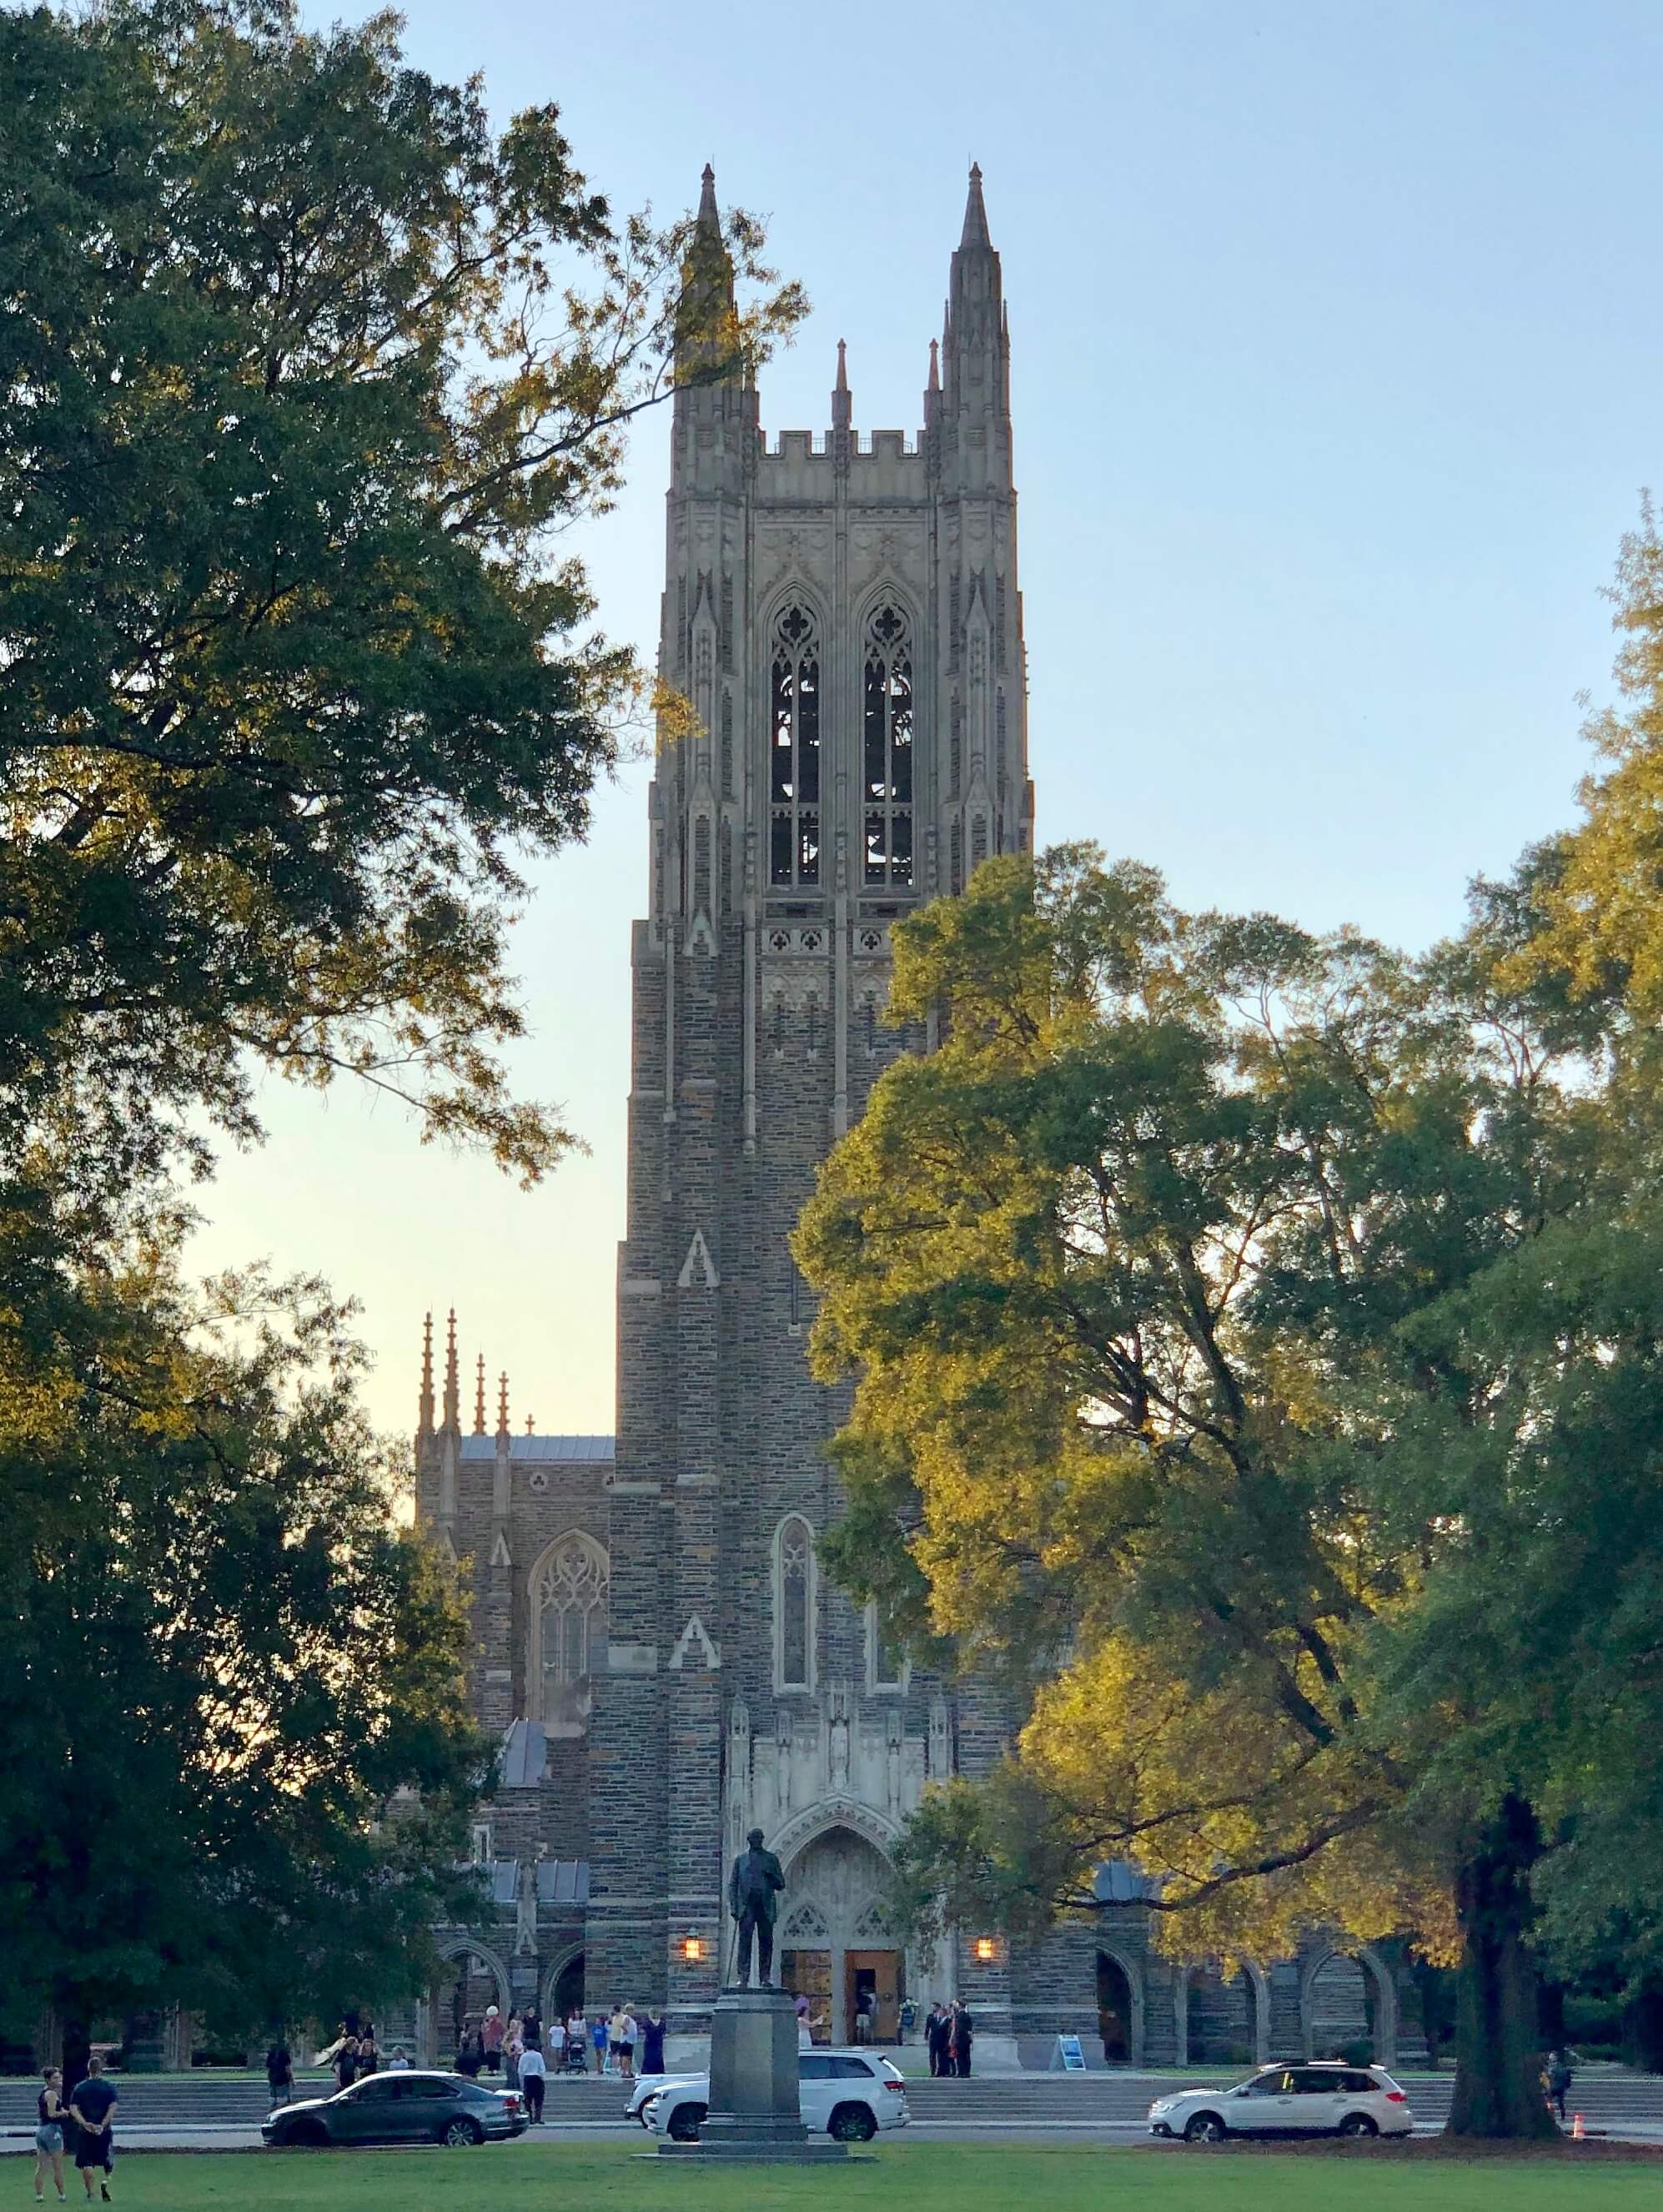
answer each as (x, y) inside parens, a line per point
(1323, 2098)
(649, 2086)
(846, 2094)
(400, 2106)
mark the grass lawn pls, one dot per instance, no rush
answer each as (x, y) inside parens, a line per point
(918, 2176)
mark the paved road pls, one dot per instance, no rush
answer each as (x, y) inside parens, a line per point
(1024, 2132)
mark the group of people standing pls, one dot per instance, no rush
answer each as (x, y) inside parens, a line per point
(85, 2124)
(526, 2053)
(949, 2033)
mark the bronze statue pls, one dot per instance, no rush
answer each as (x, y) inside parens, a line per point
(753, 1893)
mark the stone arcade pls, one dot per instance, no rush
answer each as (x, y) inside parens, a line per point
(656, 1643)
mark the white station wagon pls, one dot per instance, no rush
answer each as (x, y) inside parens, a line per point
(846, 2094)
(1321, 2099)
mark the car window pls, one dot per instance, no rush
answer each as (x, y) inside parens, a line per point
(851, 2070)
(814, 2066)
(432, 2085)
(1360, 2085)
(376, 2091)
(1314, 2081)
(1265, 2085)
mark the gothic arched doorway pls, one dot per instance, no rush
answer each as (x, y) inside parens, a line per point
(1113, 2009)
(469, 1979)
(834, 1946)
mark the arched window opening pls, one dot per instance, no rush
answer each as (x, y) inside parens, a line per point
(886, 1662)
(887, 790)
(794, 752)
(569, 1593)
(794, 1605)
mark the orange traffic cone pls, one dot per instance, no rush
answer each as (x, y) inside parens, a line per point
(1578, 2132)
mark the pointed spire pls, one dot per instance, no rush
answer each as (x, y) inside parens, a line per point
(841, 403)
(479, 1396)
(502, 1405)
(424, 1417)
(707, 333)
(934, 384)
(709, 223)
(975, 214)
(452, 1380)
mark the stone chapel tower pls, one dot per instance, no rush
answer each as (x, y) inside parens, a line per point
(842, 613)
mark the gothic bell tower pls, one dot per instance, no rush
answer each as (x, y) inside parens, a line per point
(841, 614)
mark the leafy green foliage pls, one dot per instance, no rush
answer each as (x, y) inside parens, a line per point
(240, 1755)
(1176, 1286)
(301, 367)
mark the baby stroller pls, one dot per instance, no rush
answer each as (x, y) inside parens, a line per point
(577, 2054)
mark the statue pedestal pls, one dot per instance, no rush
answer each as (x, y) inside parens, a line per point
(755, 2117)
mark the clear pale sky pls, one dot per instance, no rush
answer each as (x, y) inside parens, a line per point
(1337, 335)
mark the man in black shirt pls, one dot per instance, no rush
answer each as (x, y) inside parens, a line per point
(91, 2106)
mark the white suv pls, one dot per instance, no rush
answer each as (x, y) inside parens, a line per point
(1322, 2099)
(846, 2094)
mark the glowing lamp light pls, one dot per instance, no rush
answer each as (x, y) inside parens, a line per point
(987, 1950)
(693, 1948)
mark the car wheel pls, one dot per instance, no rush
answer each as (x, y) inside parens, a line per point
(851, 2123)
(1358, 2124)
(685, 2123)
(1205, 2127)
(460, 2134)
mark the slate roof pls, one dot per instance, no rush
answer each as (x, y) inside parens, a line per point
(587, 1451)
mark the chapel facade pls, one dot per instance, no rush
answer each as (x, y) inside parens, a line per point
(656, 1643)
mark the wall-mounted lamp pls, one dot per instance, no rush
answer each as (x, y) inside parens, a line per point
(693, 1948)
(987, 1950)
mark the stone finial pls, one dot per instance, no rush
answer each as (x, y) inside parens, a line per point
(841, 403)
(452, 1380)
(502, 1404)
(479, 1396)
(530, 1419)
(934, 384)
(424, 1417)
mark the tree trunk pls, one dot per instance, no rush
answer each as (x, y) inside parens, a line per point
(1498, 2085)
(1643, 2036)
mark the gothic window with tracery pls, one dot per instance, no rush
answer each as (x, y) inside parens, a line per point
(794, 752)
(569, 1610)
(887, 785)
(794, 1605)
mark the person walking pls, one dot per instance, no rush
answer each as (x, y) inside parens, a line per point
(513, 2050)
(92, 2107)
(346, 2061)
(1559, 2079)
(963, 2035)
(370, 2050)
(533, 2082)
(280, 2071)
(597, 2036)
(906, 2019)
(652, 2027)
(49, 2135)
(491, 2036)
(556, 2040)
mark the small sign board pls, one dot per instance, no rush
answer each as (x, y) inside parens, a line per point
(1068, 2057)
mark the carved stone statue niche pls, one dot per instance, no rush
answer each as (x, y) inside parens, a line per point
(753, 1898)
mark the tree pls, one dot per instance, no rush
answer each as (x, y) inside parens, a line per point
(302, 368)
(240, 1755)
(1171, 1284)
